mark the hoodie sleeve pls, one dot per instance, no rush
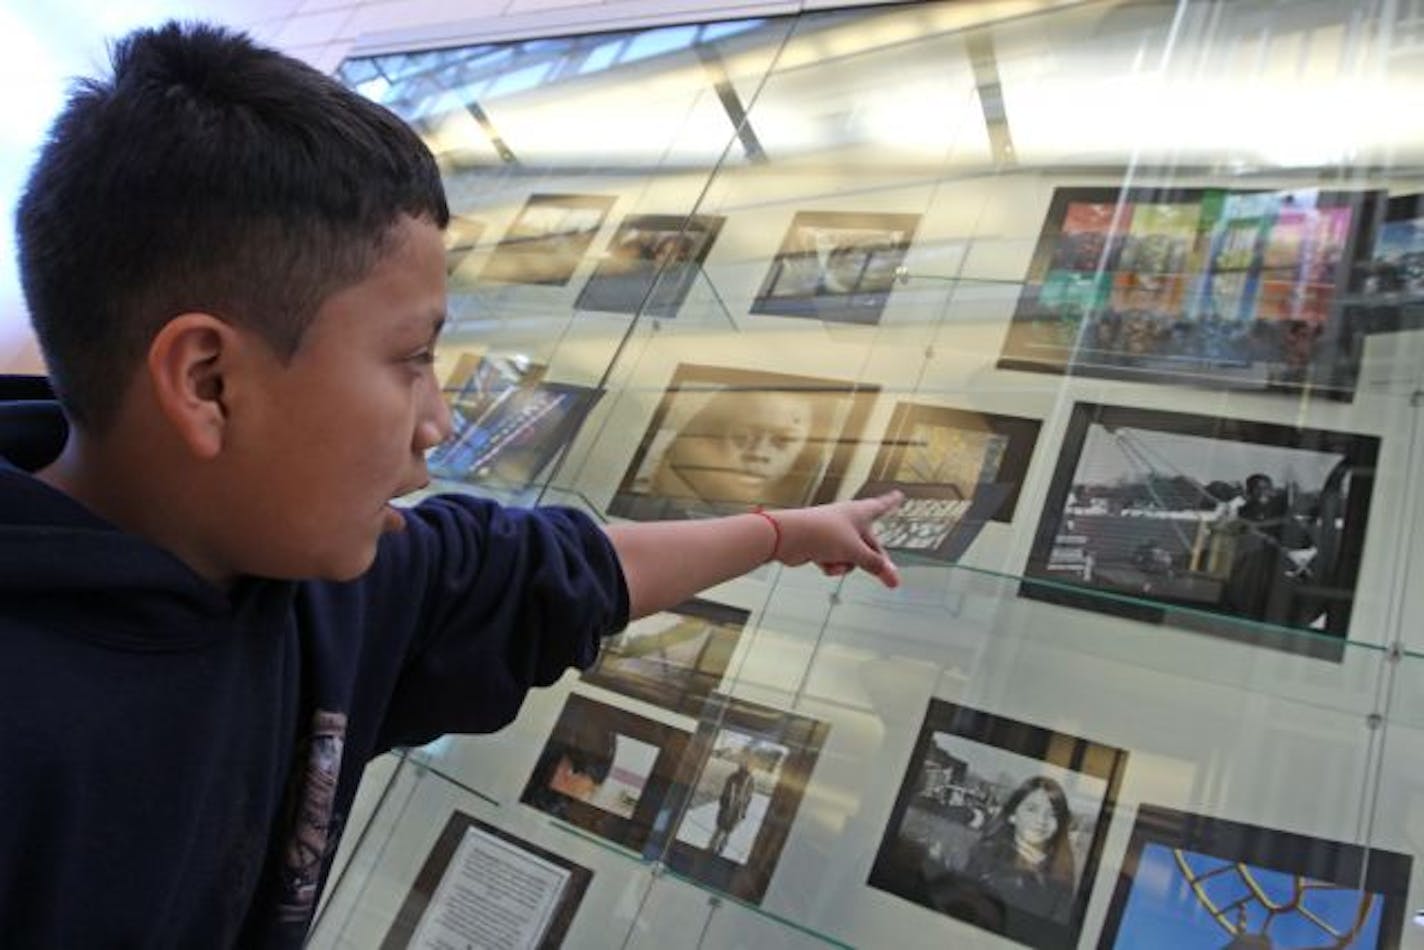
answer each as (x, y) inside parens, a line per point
(504, 599)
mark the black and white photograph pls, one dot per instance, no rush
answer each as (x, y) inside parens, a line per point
(507, 422)
(837, 266)
(1247, 530)
(1202, 287)
(1191, 880)
(934, 521)
(650, 264)
(725, 440)
(547, 241)
(1000, 824)
(606, 770)
(738, 792)
(962, 448)
(674, 659)
(482, 886)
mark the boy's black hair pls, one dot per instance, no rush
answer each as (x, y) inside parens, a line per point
(207, 174)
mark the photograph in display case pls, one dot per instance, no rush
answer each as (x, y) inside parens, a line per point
(674, 659)
(934, 521)
(1210, 522)
(725, 440)
(1210, 287)
(1192, 881)
(1000, 824)
(1396, 266)
(836, 266)
(738, 791)
(482, 886)
(650, 264)
(506, 422)
(606, 770)
(546, 242)
(962, 448)
(1390, 298)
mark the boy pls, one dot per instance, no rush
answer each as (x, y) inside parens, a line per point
(210, 616)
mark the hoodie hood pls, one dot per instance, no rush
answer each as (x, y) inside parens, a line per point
(57, 553)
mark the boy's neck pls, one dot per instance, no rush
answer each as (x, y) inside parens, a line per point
(121, 480)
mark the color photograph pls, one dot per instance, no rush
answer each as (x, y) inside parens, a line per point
(1391, 291)
(1397, 264)
(547, 240)
(1236, 520)
(724, 440)
(1206, 287)
(1000, 824)
(836, 266)
(674, 659)
(738, 792)
(507, 422)
(650, 264)
(1191, 881)
(606, 770)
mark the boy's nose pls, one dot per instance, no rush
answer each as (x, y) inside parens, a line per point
(435, 428)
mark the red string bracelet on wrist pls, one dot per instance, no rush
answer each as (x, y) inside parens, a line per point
(775, 526)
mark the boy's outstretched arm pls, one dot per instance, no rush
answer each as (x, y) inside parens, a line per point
(666, 562)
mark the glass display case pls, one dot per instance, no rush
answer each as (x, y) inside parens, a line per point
(1124, 296)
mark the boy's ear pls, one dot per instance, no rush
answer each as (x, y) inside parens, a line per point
(186, 363)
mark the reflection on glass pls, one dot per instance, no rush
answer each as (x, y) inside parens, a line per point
(836, 266)
(674, 659)
(546, 242)
(650, 264)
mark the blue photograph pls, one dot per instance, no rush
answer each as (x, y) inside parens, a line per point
(1190, 881)
(1184, 899)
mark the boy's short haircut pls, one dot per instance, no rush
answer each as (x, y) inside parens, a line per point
(207, 174)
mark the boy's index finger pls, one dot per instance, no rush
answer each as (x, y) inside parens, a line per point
(888, 502)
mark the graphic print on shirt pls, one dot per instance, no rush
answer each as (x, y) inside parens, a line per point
(313, 825)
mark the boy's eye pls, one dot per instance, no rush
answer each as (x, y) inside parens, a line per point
(424, 357)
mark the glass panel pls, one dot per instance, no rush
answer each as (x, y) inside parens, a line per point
(1124, 297)
(570, 198)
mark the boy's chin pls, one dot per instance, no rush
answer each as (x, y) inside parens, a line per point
(349, 567)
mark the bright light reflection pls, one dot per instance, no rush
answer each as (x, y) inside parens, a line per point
(902, 120)
(674, 117)
(1075, 119)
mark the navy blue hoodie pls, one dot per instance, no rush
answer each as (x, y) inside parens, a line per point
(176, 761)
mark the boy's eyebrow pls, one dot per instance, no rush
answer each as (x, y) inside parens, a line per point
(434, 319)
